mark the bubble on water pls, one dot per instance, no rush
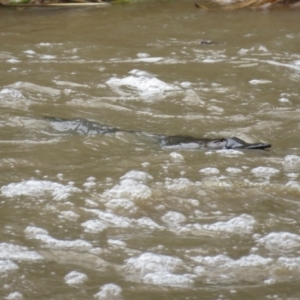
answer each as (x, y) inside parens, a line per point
(19, 253)
(284, 100)
(173, 218)
(7, 265)
(209, 171)
(221, 268)
(293, 184)
(144, 84)
(30, 52)
(179, 184)
(143, 55)
(10, 93)
(138, 175)
(14, 296)
(94, 226)
(243, 224)
(148, 268)
(146, 222)
(38, 188)
(13, 61)
(167, 279)
(42, 235)
(176, 156)
(116, 243)
(129, 188)
(35, 89)
(121, 206)
(225, 152)
(288, 265)
(75, 278)
(109, 219)
(291, 163)
(264, 171)
(270, 281)
(234, 170)
(185, 84)
(69, 215)
(259, 81)
(280, 242)
(109, 291)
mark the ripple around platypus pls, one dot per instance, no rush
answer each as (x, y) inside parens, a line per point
(82, 126)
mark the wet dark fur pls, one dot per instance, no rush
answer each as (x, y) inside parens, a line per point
(83, 126)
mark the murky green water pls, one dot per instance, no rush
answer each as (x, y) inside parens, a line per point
(116, 216)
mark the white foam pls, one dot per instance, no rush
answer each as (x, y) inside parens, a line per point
(291, 159)
(44, 45)
(173, 218)
(42, 235)
(225, 152)
(179, 184)
(146, 222)
(234, 170)
(38, 188)
(111, 220)
(259, 81)
(109, 291)
(69, 215)
(264, 171)
(14, 296)
(143, 55)
(94, 226)
(151, 263)
(284, 100)
(47, 56)
(35, 89)
(121, 206)
(143, 83)
(293, 185)
(221, 268)
(209, 171)
(288, 265)
(75, 278)
(243, 224)
(176, 156)
(13, 61)
(30, 52)
(116, 243)
(19, 253)
(167, 279)
(10, 93)
(129, 188)
(192, 98)
(280, 242)
(186, 84)
(7, 265)
(138, 175)
(291, 163)
(149, 267)
(212, 261)
(10, 97)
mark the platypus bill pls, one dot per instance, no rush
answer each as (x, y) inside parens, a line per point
(82, 126)
(187, 142)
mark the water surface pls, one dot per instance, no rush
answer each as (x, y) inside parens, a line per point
(87, 216)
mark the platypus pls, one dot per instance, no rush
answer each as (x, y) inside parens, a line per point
(83, 126)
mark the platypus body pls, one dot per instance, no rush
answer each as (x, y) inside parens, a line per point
(82, 126)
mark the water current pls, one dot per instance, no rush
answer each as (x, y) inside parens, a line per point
(116, 216)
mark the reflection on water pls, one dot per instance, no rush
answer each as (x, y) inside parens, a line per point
(116, 216)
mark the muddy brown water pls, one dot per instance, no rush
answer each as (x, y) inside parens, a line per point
(85, 216)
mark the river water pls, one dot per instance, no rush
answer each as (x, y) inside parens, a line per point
(115, 216)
